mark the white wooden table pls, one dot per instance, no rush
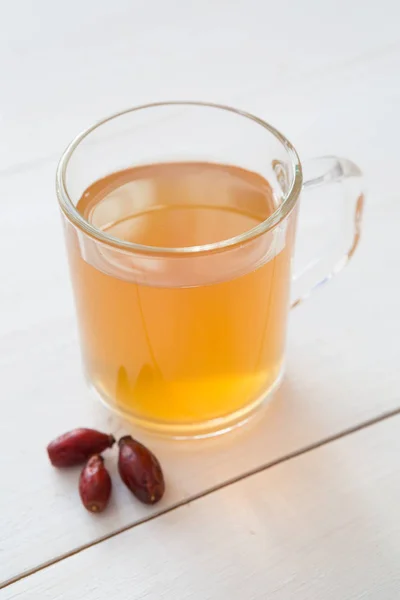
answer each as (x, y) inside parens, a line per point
(302, 504)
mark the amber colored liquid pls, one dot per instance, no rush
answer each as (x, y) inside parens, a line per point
(175, 353)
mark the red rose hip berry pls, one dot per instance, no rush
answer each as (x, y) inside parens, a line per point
(140, 470)
(76, 446)
(95, 485)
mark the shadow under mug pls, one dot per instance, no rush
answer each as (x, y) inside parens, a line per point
(190, 341)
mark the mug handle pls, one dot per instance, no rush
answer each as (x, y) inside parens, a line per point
(339, 232)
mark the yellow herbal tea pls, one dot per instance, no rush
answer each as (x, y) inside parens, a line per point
(176, 353)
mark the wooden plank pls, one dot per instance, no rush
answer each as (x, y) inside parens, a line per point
(322, 525)
(342, 370)
(63, 68)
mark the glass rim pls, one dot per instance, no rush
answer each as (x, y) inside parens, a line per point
(70, 211)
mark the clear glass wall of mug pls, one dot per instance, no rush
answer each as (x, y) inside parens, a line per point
(180, 223)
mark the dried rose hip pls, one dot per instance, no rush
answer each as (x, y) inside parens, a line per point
(140, 470)
(95, 485)
(76, 446)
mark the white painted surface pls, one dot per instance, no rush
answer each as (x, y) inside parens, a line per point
(64, 66)
(342, 370)
(329, 77)
(321, 526)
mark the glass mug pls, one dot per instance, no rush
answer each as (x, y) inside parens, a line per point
(190, 340)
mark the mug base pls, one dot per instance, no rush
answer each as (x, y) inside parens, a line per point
(203, 429)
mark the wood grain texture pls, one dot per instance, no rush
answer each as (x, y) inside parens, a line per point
(322, 525)
(317, 73)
